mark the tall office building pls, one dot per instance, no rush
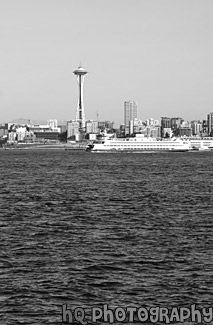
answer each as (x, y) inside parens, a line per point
(210, 123)
(204, 128)
(165, 122)
(130, 113)
(176, 122)
(196, 127)
(165, 126)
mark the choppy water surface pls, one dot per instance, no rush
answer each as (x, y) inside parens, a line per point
(88, 229)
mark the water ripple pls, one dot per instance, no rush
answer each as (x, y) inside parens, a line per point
(86, 229)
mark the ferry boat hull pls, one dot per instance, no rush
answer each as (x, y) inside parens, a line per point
(139, 145)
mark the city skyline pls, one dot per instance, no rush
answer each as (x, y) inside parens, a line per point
(157, 53)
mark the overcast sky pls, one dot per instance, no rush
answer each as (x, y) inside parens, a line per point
(156, 52)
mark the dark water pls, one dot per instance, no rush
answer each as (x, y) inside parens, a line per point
(87, 229)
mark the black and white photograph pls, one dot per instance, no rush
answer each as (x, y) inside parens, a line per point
(106, 162)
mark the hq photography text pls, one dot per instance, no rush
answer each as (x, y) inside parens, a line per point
(131, 314)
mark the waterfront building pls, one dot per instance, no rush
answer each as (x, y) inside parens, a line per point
(53, 124)
(196, 128)
(210, 124)
(91, 126)
(148, 131)
(12, 136)
(138, 125)
(42, 132)
(80, 115)
(185, 131)
(20, 134)
(63, 128)
(131, 127)
(175, 122)
(30, 137)
(105, 125)
(165, 126)
(40, 128)
(49, 135)
(185, 124)
(204, 128)
(72, 128)
(166, 133)
(151, 122)
(121, 131)
(122, 128)
(130, 113)
(155, 132)
(165, 122)
(4, 129)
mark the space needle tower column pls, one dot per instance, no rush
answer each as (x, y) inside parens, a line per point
(80, 117)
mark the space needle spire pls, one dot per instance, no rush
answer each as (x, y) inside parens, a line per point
(80, 116)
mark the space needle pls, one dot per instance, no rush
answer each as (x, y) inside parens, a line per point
(80, 117)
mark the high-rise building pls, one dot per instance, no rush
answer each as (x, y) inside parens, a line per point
(165, 126)
(165, 122)
(72, 128)
(196, 128)
(204, 128)
(210, 123)
(91, 126)
(138, 125)
(130, 113)
(175, 122)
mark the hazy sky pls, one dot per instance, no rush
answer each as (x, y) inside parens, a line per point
(156, 52)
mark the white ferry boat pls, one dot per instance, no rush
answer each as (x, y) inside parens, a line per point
(201, 144)
(139, 144)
